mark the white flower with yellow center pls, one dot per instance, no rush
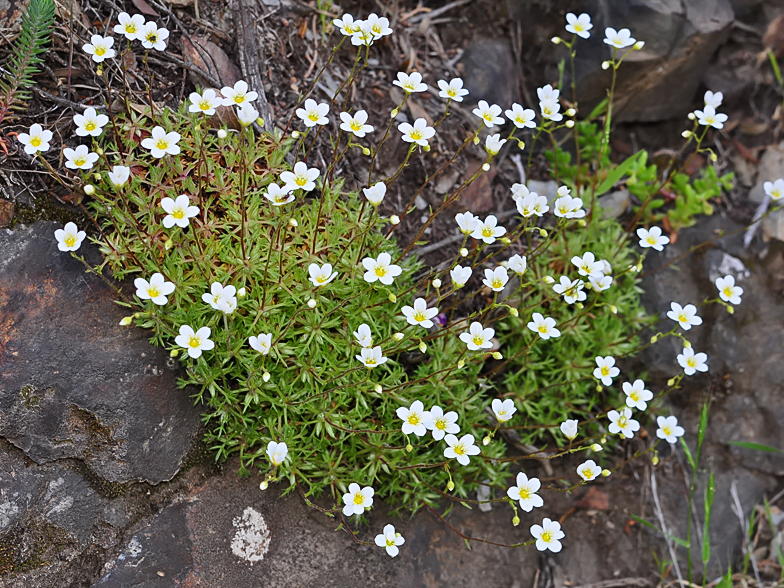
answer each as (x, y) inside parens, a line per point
(518, 264)
(550, 110)
(526, 492)
(460, 276)
(178, 212)
(652, 238)
(493, 144)
(418, 133)
(157, 289)
(119, 175)
(390, 540)
(488, 230)
(247, 115)
(79, 158)
(381, 269)
(588, 266)
(774, 189)
(544, 327)
(568, 207)
(90, 123)
(347, 25)
(636, 395)
(572, 290)
(569, 428)
(357, 499)
(460, 449)
(477, 337)
(441, 423)
(375, 194)
(601, 284)
(262, 343)
(669, 430)
(356, 124)
(532, 204)
(415, 419)
(221, 297)
(548, 535)
(410, 82)
(579, 25)
(467, 222)
(453, 90)
(496, 279)
(277, 195)
(130, 26)
(521, 117)
(490, 114)
(589, 470)
(314, 113)
(692, 362)
(606, 370)
(100, 48)
(378, 25)
(622, 423)
(728, 291)
(618, 39)
(69, 238)
(321, 275)
(503, 409)
(238, 95)
(685, 316)
(36, 140)
(301, 178)
(713, 99)
(364, 336)
(277, 452)
(160, 143)
(372, 357)
(153, 37)
(708, 117)
(206, 102)
(363, 36)
(194, 341)
(419, 314)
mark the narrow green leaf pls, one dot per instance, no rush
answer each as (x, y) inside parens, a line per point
(706, 529)
(726, 581)
(616, 174)
(688, 453)
(754, 446)
(774, 64)
(677, 540)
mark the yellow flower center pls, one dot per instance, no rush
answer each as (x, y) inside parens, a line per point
(546, 536)
(525, 493)
(409, 86)
(605, 370)
(381, 271)
(691, 362)
(634, 395)
(451, 92)
(35, 141)
(440, 423)
(314, 115)
(90, 125)
(162, 143)
(205, 104)
(152, 38)
(390, 542)
(587, 474)
(194, 341)
(497, 283)
(370, 361)
(416, 134)
(376, 28)
(153, 292)
(478, 340)
(79, 160)
(623, 422)
(487, 117)
(542, 328)
(239, 98)
(70, 240)
(487, 231)
(301, 180)
(459, 449)
(356, 125)
(682, 318)
(727, 291)
(130, 28)
(321, 278)
(652, 240)
(413, 419)
(358, 498)
(100, 50)
(667, 431)
(563, 209)
(419, 316)
(179, 213)
(578, 27)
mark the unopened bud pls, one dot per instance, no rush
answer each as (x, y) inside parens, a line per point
(581, 222)
(514, 312)
(686, 134)
(293, 222)
(423, 347)
(312, 303)
(516, 520)
(436, 283)
(714, 157)
(671, 382)
(378, 389)
(655, 458)
(596, 447)
(265, 377)
(241, 292)
(126, 321)
(450, 486)
(605, 65)
(392, 298)
(394, 219)
(613, 309)
(556, 40)
(569, 124)
(486, 167)
(542, 233)
(426, 148)
(497, 355)
(398, 336)
(395, 112)
(639, 45)
(168, 244)
(606, 473)
(686, 344)
(365, 151)
(295, 134)
(571, 112)
(505, 240)
(486, 440)
(691, 116)
(222, 134)
(174, 352)
(521, 145)
(580, 305)
(89, 189)
(464, 252)
(409, 448)
(97, 176)
(264, 485)
(460, 364)
(548, 280)
(730, 309)
(476, 140)
(260, 121)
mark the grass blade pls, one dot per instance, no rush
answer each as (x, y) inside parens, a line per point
(706, 529)
(754, 446)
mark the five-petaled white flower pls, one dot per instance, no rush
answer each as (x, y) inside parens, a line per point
(69, 238)
(364, 35)
(277, 452)
(579, 25)
(601, 283)
(119, 175)
(636, 395)
(521, 117)
(618, 39)
(713, 99)
(685, 316)
(194, 342)
(526, 492)
(453, 90)
(605, 370)
(389, 539)
(569, 429)
(153, 37)
(381, 269)
(460, 449)
(36, 140)
(415, 419)
(379, 26)
(410, 82)
(100, 48)
(178, 212)
(160, 143)
(262, 343)
(357, 499)
(277, 195)
(419, 314)
(571, 290)
(321, 275)
(460, 275)
(692, 362)
(652, 238)
(568, 207)
(587, 265)
(493, 143)
(548, 535)
(708, 117)
(488, 230)
(549, 104)
(503, 409)
(247, 115)
(375, 194)
(477, 337)
(130, 26)
(669, 430)
(467, 222)
(157, 289)
(774, 189)
(302, 177)
(588, 470)
(518, 264)
(490, 114)
(728, 291)
(90, 123)
(496, 279)
(372, 357)
(622, 423)
(531, 204)
(544, 327)
(418, 133)
(364, 336)
(79, 158)
(356, 124)
(314, 113)
(206, 102)
(238, 95)
(221, 297)
(442, 423)
(347, 25)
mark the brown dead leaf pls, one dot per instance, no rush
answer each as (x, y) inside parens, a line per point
(418, 112)
(478, 197)
(773, 38)
(594, 499)
(6, 213)
(145, 8)
(211, 59)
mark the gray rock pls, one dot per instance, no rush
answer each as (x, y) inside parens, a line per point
(615, 204)
(771, 168)
(489, 72)
(547, 188)
(719, 264)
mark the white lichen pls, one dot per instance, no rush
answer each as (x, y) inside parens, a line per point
(252, 539)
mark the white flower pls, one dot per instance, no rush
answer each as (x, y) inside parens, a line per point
(548, 535)
(130, 26)
(381, 269)
(503, 410)
(518, 264)
(69, 238)
(685, 316)
(606, 267)
(547, 93)
(521, 117)
(372, 357)
(157, 289)
(460, 275)
(364, 35)
(526, 492)
(238, 95)
(532, 204)
(774, 189)
(379, 26)
(277, 452)
(206, 102)
(490, 114)
(119, 175)
(453, 90)
(90, 123)
(363, 335)
(588, 266)
(347, 25)
(601, 284)
(356, 124)
(496, 279)
(36, 140)
(488, 230)
(544, 327)
(79, 158)
(564, 191)
(314, 114)
(568, 207)
(160, 143)
(669, 430)
(588, 470)
(419, 133)
(375, 194)
(419, 314)
(194, 342)
(220, 296)
(467, 222)
(708, 117)
(460, 449)
(153, 37)
(728, 291)
(606, 370)
(713, 99)
(622, 423)
(100, 48)
(247, 114)
(636, 395)
(442, 423)
(579, 25)
(477, 337)
(302, 177)
(178, 212)
(277, 195)
(357, 499)
(652, 238)
(569, 429)
(692, 362)
(321, 275)
(389, 539)
(493, 143)
(572, 291)
(618, 39)
(415, 419)
(410, 83)
(262, 343)
(550, 110)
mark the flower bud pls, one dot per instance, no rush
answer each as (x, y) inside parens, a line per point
(426, 148)
(497, 355)
(264, 485)
(613, 309)
(312, 303)
(655, 458)
(730, 309)
(409, 448)
(606, 473)
(395, 112)
(241, 292)
(398, 336)
(378, 389)
(460, 364)
(392, 298)
(222, 134)
(295, 134)
(691, 116)
(605, 65)
(423, 347)
(686, 344)
(514, 312)
(570, 112)
(464, 252)
(581, 222)
(548, 280)
(365, 151)
(569, 124)
(486, 440)
(89, 189)
(556, 40)
(476, 140)
(671, 382)
(293, 222)
(596, 447)
(260, 121)
(97, 176)
(486, 167)
(394, 219)
(521, 145)
(126, 321)
(516, 520)
(542, 233)
(505, 240)
(638, 45)
(174, 352)
(580, 305)
(436, 283)
(714, 157)
(686, 134)
(265, 377)
(450, 486)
